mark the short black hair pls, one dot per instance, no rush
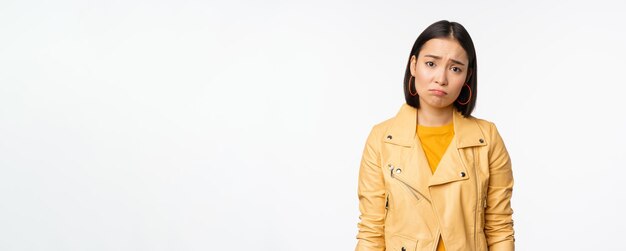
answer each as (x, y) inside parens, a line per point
(446, 29)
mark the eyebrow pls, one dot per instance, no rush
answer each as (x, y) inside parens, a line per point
(438, 57)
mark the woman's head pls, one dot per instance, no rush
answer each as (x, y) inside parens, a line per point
(441, 66)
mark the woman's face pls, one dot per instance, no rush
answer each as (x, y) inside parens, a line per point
(440, 72)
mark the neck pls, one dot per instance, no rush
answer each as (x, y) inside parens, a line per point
(429, 116)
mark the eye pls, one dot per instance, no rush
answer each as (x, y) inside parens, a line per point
(456, 69)
(430, 63)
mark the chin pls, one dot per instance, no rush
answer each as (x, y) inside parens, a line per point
(436, 102)
(439, 105)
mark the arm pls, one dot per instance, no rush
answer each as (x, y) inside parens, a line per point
(371, 193)
(498, 214)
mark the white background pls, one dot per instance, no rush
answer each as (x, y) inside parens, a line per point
(238, 125)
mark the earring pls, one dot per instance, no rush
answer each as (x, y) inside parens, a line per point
(409, 86)
(470, 96)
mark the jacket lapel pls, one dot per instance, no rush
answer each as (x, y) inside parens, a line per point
(401, 136)
(453, 165)
(401, 142)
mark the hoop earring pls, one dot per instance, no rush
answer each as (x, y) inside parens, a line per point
(470, 96)
(409, 86)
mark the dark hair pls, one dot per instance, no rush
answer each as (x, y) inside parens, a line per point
(446, 29)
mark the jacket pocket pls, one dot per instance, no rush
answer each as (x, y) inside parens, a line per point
(386, 206)
(402, 243)
(481, 214)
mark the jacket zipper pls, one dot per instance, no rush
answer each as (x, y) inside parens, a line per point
(478, 198)
(482, 200)
(413, 191)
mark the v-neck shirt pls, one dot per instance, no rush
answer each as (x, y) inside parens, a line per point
(435, 141)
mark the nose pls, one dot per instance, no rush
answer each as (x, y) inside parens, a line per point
(440, 77)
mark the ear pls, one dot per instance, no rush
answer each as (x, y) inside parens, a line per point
(469, 74)
(413, 64)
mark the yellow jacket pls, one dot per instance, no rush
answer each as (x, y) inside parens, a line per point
(467, 200)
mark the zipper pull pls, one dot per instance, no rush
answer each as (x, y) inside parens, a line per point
(390, 169)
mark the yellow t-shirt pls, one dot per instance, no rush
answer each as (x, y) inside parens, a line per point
(435, 141)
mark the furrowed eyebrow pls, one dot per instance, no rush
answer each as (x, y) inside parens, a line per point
(438, 57)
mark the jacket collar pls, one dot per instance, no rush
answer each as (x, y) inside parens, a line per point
(402, 132)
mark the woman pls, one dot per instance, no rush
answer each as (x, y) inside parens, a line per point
(434, 177)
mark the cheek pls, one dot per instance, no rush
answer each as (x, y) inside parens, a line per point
(423, 76)
(456, 86)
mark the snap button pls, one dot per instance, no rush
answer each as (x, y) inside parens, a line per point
(481, 141)
(462, 174)
(398, 171)
(389, 137)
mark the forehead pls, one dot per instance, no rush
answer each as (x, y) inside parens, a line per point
(444, 47)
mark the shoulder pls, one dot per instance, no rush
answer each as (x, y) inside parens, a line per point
(379, 129)
(383, 125)
(489, 131)
(496, 145)
(488, 127)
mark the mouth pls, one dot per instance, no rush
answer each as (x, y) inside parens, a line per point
(438, 92)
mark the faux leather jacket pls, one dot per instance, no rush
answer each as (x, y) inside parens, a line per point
(405, 207)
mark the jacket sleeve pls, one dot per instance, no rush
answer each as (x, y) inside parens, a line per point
(498, 213)
(371, 193)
